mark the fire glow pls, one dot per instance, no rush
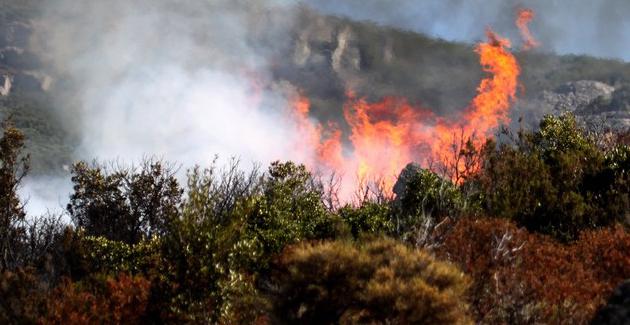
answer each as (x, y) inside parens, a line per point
(386, 135)
(523, 17)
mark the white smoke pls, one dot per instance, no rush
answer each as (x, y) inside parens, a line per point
(175, 79)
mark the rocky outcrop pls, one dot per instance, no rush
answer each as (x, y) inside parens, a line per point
(322, 42)
(593, 102)
(406, 175)
(574, 96)
(6, 82)
(20, 68)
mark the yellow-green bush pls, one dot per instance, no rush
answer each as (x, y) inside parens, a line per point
(375, 282)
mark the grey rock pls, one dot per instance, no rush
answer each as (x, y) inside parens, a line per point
(406, 174)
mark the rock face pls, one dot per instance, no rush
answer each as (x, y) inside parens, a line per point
(575, 95)
(593, 102)
(20, 68)
(322, 42)
(617, 311)
(6, 82)
(410, 171)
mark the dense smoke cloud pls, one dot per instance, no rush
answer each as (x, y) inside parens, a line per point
(171, 78)
(598, 28)
(180, 80)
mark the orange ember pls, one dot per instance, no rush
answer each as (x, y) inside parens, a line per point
(523, 17)
(385, 136)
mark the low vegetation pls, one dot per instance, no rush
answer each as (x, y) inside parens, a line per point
(537, 234)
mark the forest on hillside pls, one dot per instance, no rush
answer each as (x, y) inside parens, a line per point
(534, 230)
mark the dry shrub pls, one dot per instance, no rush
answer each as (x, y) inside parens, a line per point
(521, 277)
(378, 282)
(22, 297)
(122, 300)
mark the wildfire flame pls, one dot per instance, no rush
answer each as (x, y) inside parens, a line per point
(523, 17)
(386, 135)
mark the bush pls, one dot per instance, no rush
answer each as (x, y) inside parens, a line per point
(23, 297)
(289, 210)
(370, 218)
(422, 194)
(99, 255)
(125, 205)
(521, 277)
(377, 282)
(118, 300)
(555, 181)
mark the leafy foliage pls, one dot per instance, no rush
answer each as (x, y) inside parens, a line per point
(369, 218)
(124, 205)
(248, 247)
(556, 180)
(376, 282)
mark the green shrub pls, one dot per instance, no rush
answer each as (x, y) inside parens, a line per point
(370, 218)
(555, 180)
(125, 204)
(289, 210)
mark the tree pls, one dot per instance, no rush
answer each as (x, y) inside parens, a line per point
(556, 180)
(125, 204)
(13, 167)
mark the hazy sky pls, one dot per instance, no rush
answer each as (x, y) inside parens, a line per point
(594, 27)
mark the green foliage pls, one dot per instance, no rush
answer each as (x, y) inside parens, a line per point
(555, 180)
(370, 218)
(289, 210)
(126, 204)
(376, 282)
(426, 193)
(106, 256)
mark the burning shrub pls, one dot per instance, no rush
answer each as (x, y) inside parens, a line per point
(555, 181)
(126, 204)
(380, 281)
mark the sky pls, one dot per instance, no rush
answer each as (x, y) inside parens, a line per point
(594, 27)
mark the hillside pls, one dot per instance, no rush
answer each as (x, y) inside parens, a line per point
(324, 57)
(530, 226)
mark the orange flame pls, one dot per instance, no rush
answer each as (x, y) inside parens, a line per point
(387, 135)
(523, 17)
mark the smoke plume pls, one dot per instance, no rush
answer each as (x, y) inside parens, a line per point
(181, 80)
